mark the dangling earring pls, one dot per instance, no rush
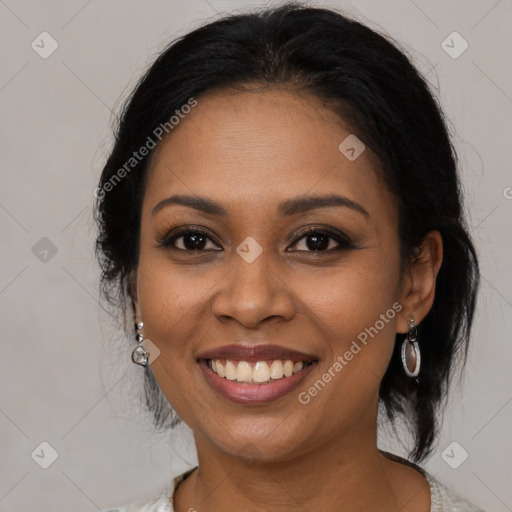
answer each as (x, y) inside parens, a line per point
(411, 357)
(139, 355)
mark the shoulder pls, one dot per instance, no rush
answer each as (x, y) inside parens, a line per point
(443, 499)
(153, 504)
(160, 503)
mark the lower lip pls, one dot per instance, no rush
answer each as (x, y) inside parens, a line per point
(253, 394)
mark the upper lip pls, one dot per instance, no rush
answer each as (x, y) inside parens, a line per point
(253, 353)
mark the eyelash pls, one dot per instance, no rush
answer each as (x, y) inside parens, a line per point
(344, 243)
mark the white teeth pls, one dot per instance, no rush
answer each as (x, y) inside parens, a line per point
(230, 370)
(242, 371)
(288, 368)
(219, 369)
(261, 372)
(276, 370)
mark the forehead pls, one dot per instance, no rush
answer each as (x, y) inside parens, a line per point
(253, 148)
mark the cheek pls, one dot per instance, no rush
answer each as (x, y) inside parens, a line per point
(356, 308)
(354, 293)
(169, 301)
(167, 293)
(169, 306)
(173, 306)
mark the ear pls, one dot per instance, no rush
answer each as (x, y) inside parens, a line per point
(419, 283)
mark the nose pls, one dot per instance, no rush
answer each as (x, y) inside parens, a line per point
(253, 293)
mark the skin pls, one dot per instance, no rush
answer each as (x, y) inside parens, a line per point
(249, 150)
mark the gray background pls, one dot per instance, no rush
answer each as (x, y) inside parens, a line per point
(65, 369)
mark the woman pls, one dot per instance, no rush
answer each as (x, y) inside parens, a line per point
(282, 211)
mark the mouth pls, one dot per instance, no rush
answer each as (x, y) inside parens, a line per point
(256, 373)
(255, 382)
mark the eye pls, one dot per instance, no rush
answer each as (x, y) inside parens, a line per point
(321, 240)
(188, 240)
(314, 240)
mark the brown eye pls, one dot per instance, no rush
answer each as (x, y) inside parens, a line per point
(315, 240)
(189, 240)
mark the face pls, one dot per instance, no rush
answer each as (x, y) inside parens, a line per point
(261, 266)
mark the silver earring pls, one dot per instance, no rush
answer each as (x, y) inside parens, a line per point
(411, 357)
(139, 355)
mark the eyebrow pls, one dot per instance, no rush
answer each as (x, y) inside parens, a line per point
(287, 208)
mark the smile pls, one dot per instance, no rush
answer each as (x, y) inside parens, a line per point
(254, 383)
(256, 373)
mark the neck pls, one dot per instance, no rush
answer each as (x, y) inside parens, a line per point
(346, 473)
